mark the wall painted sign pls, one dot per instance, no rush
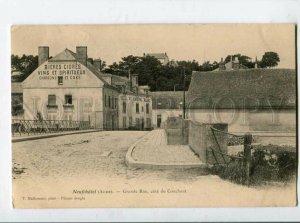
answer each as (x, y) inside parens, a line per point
(51, 71)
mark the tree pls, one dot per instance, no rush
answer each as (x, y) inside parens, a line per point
(25, 64)
(125, 66)
(269, 59)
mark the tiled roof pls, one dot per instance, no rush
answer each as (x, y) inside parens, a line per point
(16, 88)
(247, 88)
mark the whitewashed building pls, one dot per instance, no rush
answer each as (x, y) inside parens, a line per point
(69, 86)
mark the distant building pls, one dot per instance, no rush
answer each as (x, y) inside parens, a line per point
(165, 104)
(233, 64)
(162, 57)
(70, 86)
(247, 99)
(15, 75)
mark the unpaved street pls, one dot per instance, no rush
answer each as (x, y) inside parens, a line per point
(55, 167)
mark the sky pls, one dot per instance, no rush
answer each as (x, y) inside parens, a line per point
(200, 42)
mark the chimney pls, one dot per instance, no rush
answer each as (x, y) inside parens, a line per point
(134, 80)
(222, 65)
(90, 60)
(81, 52)
(255, 65)
(43, 54)
(97, 64)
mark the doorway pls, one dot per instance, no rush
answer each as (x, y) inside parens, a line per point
(158, 121)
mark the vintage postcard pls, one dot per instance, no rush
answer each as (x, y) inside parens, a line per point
(169, 115)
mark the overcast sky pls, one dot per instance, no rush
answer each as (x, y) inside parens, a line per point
(181, 42)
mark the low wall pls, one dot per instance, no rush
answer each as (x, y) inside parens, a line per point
(200, 138)
(177, 131)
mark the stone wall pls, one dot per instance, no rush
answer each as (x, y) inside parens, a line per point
(200, 137)
(202, 140)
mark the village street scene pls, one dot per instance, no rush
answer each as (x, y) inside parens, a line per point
(112, 119)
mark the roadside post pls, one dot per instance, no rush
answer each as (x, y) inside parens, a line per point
(247, 156)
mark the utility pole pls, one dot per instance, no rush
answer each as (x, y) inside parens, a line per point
(183, 112)
(175, 87)
(183, 106)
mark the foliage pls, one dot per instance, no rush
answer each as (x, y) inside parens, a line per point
(151, 72)
(159, 77)
(235, 171)
(26, 64)
(271, 163)
(16, 105)
(269, 59)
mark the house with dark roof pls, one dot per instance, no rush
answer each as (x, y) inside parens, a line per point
(166, 104)
(233, 64)
(162, 57)
(247, 99)
(69, 86)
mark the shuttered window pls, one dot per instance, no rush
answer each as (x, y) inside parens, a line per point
(51, 100)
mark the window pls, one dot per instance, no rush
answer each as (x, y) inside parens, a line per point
(51, 100)
(109, 101)
(147, 108)
(105, 101)
(68, 99)
(116, 102)
(112, 102)
(137, 108)
(124, 107)
(142, 108)
(60, 80)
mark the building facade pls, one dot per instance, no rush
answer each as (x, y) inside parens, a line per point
(162, 57)
(71, 87)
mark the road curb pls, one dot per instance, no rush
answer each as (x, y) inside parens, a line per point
(51, 136)
(131, 162)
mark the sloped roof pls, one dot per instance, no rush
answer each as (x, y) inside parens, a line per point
(157, 55)
(66, 55)
(249, 88)
(16, 88)
(166, 99)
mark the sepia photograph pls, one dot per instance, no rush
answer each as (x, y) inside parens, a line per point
(154, 115)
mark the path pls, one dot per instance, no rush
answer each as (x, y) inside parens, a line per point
(153, 148)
